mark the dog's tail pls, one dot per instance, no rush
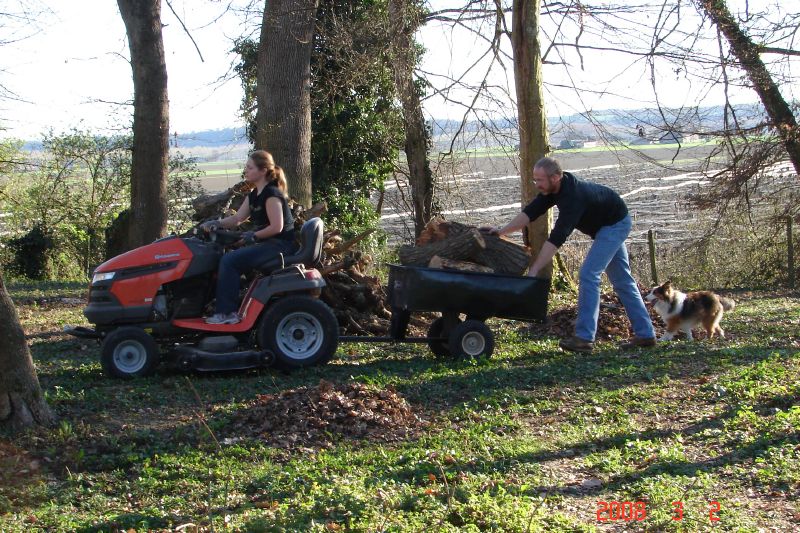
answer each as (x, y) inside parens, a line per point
(727, 303)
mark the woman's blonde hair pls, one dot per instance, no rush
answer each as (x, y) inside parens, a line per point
(264, 161)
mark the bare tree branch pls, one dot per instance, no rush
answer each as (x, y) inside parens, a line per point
(185, 29)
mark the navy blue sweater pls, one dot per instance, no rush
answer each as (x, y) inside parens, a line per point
(582, 205)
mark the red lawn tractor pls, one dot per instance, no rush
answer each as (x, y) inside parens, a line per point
(147, 305)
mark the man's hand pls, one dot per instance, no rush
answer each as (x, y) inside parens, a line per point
(489, 230)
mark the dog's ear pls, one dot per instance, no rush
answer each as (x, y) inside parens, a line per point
(667, 284)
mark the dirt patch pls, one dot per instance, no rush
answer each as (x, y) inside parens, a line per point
(316, 417)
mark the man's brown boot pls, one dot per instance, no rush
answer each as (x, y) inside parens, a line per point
(638, 342)
(576, 344)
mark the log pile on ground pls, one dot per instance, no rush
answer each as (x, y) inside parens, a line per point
(451, 245)
(358, 300)
(316, 417)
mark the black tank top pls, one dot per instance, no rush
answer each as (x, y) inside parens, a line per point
(258, 210)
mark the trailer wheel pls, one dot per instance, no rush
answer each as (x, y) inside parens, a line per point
(129, 352)
(300, 331)
(439, 348)
(471, 338)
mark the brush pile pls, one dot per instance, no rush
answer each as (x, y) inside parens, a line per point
(316, 417)
(357, 299)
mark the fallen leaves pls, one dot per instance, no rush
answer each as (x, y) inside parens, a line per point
(16, 465)
(315, 417)
(612, 321)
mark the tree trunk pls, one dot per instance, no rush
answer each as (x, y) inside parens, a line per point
(405, 21)
(747, 52)
(460, 247)
(21, 401)
(150, 161)
(534, 143)
(283, 92)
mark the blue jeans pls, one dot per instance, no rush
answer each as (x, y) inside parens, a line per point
(237, 262)
(608, 253)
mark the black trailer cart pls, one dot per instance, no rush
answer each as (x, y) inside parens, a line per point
(452, 293)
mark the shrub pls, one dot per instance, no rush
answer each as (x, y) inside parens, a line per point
(30, 253)
(74, 189)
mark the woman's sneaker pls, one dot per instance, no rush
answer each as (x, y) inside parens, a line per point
(223, 318)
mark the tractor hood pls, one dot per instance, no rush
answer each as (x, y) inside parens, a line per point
(167, 250)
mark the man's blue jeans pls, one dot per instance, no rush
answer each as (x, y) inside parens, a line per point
(237, 262)
(608, 253)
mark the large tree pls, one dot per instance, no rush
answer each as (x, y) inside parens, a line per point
(283, 93)
(355, 121)
(22, 403)
(150, 163)
(531, 114)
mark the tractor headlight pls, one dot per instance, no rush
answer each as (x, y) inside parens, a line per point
(102, 276)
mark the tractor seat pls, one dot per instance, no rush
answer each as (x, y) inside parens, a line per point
(310, 252)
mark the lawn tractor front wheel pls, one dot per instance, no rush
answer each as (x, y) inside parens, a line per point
(129, 352)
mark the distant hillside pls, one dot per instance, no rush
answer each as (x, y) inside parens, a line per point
(222, 139)
(622, 124)
(210, 138)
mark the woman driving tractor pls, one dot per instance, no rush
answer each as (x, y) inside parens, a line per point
(268, 209)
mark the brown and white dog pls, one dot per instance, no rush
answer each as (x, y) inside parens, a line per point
(682, 312)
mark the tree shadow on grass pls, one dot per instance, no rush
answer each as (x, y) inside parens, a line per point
(429, 383)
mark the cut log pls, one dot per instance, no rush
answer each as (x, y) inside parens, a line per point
(503, 256)
(436, 230)
(460, 247)
(499, 254)
(452, 264)
(316, 210)
(347, 262)
(211, 205)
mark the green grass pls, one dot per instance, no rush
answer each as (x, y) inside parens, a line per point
(531, 440)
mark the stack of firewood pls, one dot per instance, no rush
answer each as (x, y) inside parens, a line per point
(358, 300)
(454, 246)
